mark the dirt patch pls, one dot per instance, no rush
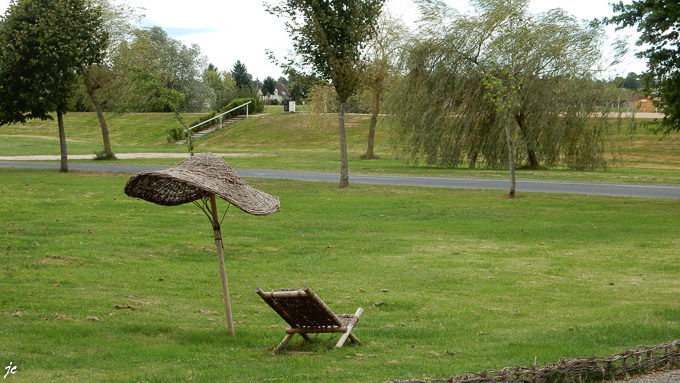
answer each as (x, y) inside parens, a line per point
(49, 138)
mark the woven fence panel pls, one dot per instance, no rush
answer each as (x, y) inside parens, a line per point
(576, 370)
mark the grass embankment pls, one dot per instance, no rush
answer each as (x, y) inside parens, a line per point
(99, 287)
(301, 142)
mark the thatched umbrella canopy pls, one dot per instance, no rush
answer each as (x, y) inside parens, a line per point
(199, 179)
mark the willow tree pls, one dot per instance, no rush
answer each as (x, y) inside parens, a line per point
(382, 54)
(440, 107)
(328, 37)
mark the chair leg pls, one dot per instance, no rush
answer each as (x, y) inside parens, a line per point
(306, 337)
(284, 341)
(348, 333)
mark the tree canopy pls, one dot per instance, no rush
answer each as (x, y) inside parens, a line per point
(44, 44)
(239, 73)
(442, 114)
(173, 64)
(223, 87)
(383, 52)
(268, 86)
(658, 22)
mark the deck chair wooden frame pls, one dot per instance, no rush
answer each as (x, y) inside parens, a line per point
(306, 314)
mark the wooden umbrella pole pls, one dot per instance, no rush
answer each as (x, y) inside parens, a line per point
(220, 255)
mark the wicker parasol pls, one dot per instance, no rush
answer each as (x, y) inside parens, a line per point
(199, 179)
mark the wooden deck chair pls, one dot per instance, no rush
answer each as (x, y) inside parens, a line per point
(307, 314)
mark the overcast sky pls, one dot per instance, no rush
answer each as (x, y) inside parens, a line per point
(230, 30)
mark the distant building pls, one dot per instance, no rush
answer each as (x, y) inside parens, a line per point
(280, 93)
(646, 104)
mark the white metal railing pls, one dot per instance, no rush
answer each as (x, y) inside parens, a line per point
(220, 116)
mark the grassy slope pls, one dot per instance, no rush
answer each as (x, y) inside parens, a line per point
(302, 142)
(469, 279)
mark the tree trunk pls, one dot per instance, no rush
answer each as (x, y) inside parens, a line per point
(344, 167)
(371, 130)
(62, 143)
(530, 141)
(102, 123)
(511, 156)
(473, 160)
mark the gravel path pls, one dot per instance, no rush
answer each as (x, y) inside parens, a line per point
(123, 156)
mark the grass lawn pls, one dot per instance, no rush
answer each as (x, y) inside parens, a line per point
(303, 142)
(99, 287)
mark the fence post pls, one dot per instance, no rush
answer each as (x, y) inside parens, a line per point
(247, 110)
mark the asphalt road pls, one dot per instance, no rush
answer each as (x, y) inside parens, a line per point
(609, 189)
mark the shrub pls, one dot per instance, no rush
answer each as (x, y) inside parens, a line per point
(176, 134)
(103, 156)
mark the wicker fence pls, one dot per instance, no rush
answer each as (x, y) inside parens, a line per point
(579, 370)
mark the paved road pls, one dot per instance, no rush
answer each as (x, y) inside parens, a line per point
(610, 189)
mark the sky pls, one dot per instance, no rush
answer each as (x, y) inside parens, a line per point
(231, 30)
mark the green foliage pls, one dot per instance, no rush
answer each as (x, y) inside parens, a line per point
(328, 36)
(44, 46)
(104, 156)
(176, 134)
(152, 94)
(268, 86)
(174, 65)
(659, 24)
(441, 109)
(223, 87)
(239, 73)
(632, 81)
(256, 106)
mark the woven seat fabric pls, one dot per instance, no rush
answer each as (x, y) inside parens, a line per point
(348, 319)
(304, 311)
(198, 177)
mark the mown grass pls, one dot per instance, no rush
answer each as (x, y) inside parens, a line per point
(451, 281)
(304, 142)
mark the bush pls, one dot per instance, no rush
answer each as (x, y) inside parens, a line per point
(256, 106)
(103, 156)
(176, 134)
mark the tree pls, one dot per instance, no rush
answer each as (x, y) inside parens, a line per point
(222, 85)
(441, 110)
(119, 21)
(502, 81)
(268, 86)
(328, 37)
(175, 65)
(239, 73)
(283, 80)
(382, 53)
(632, 81)
(659, 24)
(44, 44)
